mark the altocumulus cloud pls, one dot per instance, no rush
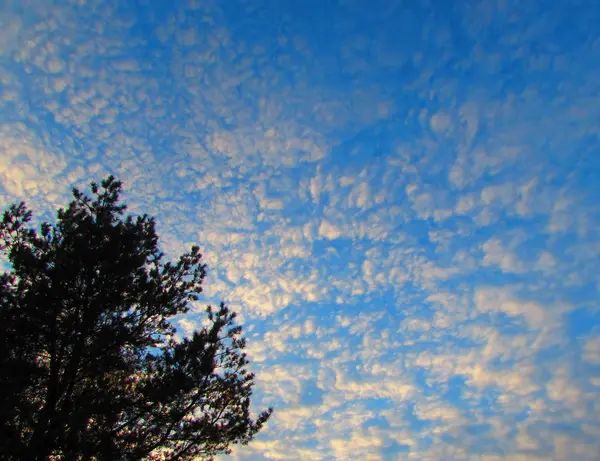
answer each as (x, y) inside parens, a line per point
(401, 200)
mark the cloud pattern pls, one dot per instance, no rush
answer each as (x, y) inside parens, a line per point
(400, 198)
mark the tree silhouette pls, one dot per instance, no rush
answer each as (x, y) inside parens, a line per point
(90, 368)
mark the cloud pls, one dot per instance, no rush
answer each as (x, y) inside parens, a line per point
(500, 300)
(496, 254)
(329, 231)
(365, 446)
(591, 350)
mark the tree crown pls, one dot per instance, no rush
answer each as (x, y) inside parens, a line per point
(89, 359)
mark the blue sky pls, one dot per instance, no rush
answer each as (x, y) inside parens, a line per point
(399, 197)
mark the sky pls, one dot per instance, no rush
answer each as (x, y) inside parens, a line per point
(400, 198)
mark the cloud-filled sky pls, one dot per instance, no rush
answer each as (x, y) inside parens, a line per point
(401, 198)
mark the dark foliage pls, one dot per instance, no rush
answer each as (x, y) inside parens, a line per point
(89, 365)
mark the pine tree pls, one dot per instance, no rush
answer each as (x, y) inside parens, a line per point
(90, 366)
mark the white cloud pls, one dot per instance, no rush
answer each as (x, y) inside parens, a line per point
(465, 204)
(591, 350)
(440, 123)
(438, 411)
(495, 253)
(501, 300)
(329, 231)
(365, 446)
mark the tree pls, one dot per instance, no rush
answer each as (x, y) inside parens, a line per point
(90, 366)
